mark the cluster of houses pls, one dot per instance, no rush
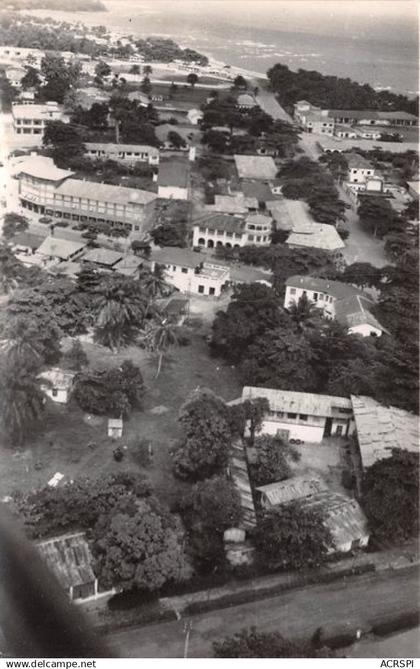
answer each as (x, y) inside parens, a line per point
(350, 124)
(371, 432)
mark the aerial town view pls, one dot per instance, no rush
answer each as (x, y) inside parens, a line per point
(209, 341)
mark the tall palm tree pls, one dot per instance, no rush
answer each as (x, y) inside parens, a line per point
(121, 310)
(159, 336)
(23, 345)
(153, 283)
(22, 403)
(304, 314)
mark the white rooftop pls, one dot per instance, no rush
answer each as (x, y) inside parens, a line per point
(295, 402)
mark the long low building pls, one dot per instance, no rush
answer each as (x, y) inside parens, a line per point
(306, 416)
(129, 154)
(372, 117)
(46, 189)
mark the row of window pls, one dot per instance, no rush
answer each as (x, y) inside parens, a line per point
(121, 154)
(28, 121)
(258, 238)
(289, 414)
(28, 131)
(220, 233)
(322, 297)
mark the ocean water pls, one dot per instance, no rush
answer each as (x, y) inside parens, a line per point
(367, 48)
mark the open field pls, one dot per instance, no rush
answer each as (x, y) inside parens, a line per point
(71, 444)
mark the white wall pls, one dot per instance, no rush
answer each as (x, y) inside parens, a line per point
(173, 192)
(61, 397)
(311, 433)
(327, 305)
(365, 330)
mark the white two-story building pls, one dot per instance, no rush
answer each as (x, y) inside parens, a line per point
(230, 231)
(340, 301)
(190, 271)
(30, 120)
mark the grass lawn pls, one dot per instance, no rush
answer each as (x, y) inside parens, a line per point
(72, 445)
(185, 93)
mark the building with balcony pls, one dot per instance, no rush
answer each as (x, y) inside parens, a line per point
(29, 121)
(129, 154)
(48, 190)
(191, 272)
(232, 231)
(305, 416)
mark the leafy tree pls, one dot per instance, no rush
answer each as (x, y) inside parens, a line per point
(59, 78)
(146, 86)
(139, 548)
(304, 314)
(192, 79)
(13, 224)
(147, 70)
(280, 359)
(102, 69)
(255, 644)
(78, 505)
(215, 140)
(113, 392)
(75, 358)
(64, 139)
(240, 82)
(253, 309)
(390, 495)
(204, 449)
(120, 312)
(135, 69)
(170, 233)
(176, 140)
(376, 216)
(361, 274)
(270, 462)
(31, 79)
(208, 510)
(12, 271)
(293, 536)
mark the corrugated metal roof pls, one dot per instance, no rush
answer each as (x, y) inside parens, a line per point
(381, 429)
(295, 402)
(240, 477)
(105, 192)
(316, 235)
(59, 378)
(292, 489)
(59, 248)
(221, 222)
(355, 160)
(343, 516)
(255, 167)
(41, 167)
(69, 558)
(336, 289)
(103, 256)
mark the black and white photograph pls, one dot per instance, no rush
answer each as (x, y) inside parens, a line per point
(209, 332)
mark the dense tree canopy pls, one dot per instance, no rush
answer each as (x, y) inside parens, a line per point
(293, 536)
(390, 496)
(139, 546)
(270, 461)
(208, 510)
(331, 92)
(112, 393)
(254, 644)
(204, 448)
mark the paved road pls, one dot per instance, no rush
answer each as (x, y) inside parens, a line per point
(360, 246)
(268, 103)
(352, 604)
(404, 644)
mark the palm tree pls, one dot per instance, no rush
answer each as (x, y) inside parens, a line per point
(159, 336)
(153, 283)
(120, 312)
(304, 314)
(23, 346)
(22, 403)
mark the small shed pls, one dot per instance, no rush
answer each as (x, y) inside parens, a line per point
(115, 428)
(58, 383)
